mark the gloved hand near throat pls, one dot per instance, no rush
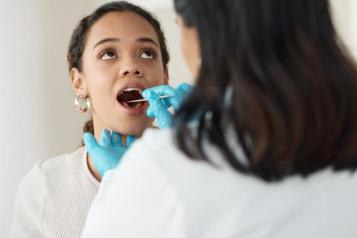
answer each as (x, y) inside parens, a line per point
(108, 152)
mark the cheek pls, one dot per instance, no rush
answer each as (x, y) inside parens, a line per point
(100, 89)
(156, 75)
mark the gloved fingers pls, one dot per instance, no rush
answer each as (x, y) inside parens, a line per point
(165, 102)
(164, 120)
(158, 110)
(130, 140)
(160, 90)
(180, 93)
(155, 103)
(152, 110)
(162, 113)
(175, 101)
(116, 139)
(184, 87)
(106, 138)
(90, 142)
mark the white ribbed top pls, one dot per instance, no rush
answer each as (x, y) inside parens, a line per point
(54, 197)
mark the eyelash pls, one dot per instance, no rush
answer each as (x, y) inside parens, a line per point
(107, 51)
(151, 51)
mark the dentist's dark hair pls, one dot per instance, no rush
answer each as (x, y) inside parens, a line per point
(276, 92)
(79, 37)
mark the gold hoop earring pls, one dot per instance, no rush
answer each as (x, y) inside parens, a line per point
(82, 103)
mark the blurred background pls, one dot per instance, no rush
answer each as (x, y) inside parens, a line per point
(38, 120)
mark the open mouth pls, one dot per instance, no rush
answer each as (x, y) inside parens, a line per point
(130, 94)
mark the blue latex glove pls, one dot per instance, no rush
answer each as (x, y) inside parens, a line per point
(106, 154)
(158, 108)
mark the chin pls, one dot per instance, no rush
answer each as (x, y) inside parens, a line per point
(134, 128)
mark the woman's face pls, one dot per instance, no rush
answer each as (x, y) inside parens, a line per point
(121, 53)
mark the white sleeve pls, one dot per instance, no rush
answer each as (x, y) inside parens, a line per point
(135, 200)
(29, 205)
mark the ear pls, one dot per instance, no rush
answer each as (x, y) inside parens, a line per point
(79, 84)
(166, 75)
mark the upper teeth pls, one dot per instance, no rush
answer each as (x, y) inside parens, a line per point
(132, 89)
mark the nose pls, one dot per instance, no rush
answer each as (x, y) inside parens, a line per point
(130, 69)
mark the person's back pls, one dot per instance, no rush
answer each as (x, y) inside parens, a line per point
(223, 203)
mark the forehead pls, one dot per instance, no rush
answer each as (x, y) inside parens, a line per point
(122, 25)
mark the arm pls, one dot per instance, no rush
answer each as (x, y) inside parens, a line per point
(29, 205)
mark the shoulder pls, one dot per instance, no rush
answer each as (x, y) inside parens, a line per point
(64, 161)
(41, 186)
(145, 154)
(156, 138)
(34, 182)
(156, 153)
(29, 203)
(157, 144)
(36, 177)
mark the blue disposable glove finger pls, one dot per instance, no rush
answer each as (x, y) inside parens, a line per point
(162, 90)
(181, 92)
(130, 140)
(106, 138)
(90, 142)
(116, 139)
(149, 112)
(184, 87)
(104, 158)
(157, 109)
(178, 94)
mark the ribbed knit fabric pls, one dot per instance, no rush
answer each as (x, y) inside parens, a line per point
(54, 197)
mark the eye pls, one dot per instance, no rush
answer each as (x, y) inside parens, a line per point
(108, 54)
(148, 54)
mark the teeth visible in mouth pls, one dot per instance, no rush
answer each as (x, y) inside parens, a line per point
(132, 89)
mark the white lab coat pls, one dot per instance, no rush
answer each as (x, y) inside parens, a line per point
(156, 191)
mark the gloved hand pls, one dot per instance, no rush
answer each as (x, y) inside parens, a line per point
(158, 108)
(106, 154)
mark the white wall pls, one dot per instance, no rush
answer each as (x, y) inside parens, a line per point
(37, 119)
(345, 16)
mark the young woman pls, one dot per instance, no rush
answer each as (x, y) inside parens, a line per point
(114, 53)
(265, 145)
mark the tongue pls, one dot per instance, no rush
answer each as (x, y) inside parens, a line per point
(132, 105)
(127, 96)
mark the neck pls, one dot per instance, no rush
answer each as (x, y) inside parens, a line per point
(92, 168)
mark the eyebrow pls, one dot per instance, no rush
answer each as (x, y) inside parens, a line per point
(141, 39)
(147, 39)
(105, 41)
